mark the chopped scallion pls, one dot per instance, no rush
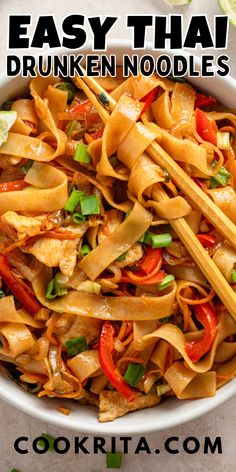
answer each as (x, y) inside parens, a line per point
(134, 373)
(233, 276)
(113, 460)
(81, 154)
(166, 282)
(85, 250)
(221, 178)
(162, 389)
(69, 88)
(50, 440)
(141, 239)
(54, 289)
(76, 345)
(223, 140)
(90, 205)
(78, 218)
(71, 127)
(158, 240)
(73, 200)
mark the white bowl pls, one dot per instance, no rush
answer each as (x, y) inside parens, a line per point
(171, 412)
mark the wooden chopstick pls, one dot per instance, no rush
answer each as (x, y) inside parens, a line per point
(193, 245)
(198, 198)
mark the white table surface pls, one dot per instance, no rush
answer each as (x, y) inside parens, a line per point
(221, 422)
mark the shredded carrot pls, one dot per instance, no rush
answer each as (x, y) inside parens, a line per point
(50, 328)
(37, 378)
(73, 181)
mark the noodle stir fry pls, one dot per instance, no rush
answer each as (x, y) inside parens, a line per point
(101, 302)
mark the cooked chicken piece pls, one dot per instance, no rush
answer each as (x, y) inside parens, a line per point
(24, 225)
(56, 252)
(133, 255)
(114, 219)
(112, 405)
(74, 326)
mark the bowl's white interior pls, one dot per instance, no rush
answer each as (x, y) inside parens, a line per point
(82, 418)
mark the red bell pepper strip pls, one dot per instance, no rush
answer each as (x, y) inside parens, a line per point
(204, 100)
(148, 99)
(97, 134)
(207, 240)
(152, 258)
(106, 346)
(13, 186)
(204, 127)
(208, 318)
(26, 298)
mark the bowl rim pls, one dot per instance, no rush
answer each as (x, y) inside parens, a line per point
(17, 398)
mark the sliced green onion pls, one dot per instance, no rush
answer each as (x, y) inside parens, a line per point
(233, 276)
(78, 218)
(134, 373)
(218, 179)
(113, 460)
(69, 88)
(89, 287)
(113, 161)
(54, 289)
(223, 171)
(76, 345)
(73, 200)
(72, 127)
(223, 140)
(158, 240)
(90, 205)
(166, 282)
(61, 279)
(122, 257)
(26, 167)
(50, 440)
(50, 294)
(162, 389)
(85, 250)
(81, 154)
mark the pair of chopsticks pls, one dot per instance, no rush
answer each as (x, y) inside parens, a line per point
(92, 89)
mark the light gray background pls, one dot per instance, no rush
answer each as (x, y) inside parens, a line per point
(222, 421)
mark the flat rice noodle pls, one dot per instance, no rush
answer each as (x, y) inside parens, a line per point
(184, 150)
(47, 191)
(138, 87)
(219, 116)
(186, 383)
(168, 111)
(128, 233)
(191, 274)
(135, 143)
(225, 352)
(144, 174)
(182, 101)
(85, 364)
(225, 260)
(120, 122)
(226, 372)
(161, 109)
(171, 208)
(18, 339)
(34, 148)
(57, 98)
(173, 335)
(194, 220)
(225, 199)
(25, 111)
(9, 314)
(145, 307)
